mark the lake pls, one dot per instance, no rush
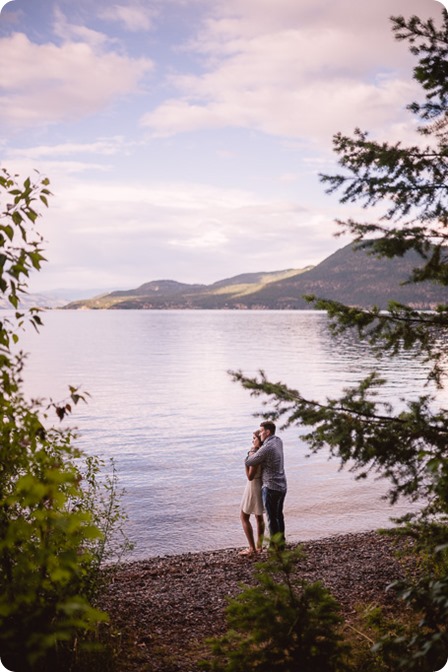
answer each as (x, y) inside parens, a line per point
(164, 407)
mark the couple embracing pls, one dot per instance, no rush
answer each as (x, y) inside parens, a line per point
(265, 489)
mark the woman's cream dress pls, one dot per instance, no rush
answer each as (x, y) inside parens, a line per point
(252, 502)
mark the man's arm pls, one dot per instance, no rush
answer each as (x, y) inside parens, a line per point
(258, 458)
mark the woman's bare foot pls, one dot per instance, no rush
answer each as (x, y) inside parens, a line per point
(247, 551)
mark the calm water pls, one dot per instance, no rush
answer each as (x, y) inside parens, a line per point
(163, 405)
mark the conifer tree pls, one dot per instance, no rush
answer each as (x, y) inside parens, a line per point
(408, 447)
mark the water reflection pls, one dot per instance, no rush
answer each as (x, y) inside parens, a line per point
(165, 408)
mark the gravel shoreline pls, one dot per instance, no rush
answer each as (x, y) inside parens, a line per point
(163, 608)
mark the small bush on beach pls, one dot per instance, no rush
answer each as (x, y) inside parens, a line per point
(281, 624)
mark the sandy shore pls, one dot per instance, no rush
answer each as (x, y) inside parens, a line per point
(162, 609)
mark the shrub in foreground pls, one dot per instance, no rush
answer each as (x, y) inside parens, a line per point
(56, 518)
(280, 624)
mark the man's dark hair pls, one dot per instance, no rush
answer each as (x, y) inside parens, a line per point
(267, 424)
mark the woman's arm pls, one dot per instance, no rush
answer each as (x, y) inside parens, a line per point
(251, 471)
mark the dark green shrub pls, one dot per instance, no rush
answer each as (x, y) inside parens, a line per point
(422, 644)
(56, 517)
(281, 624)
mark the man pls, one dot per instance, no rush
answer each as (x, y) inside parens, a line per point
(270, 456)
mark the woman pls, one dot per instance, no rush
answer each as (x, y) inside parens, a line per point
(252, 502)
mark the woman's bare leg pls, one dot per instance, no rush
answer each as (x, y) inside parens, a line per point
(260, 531)
(248, 531)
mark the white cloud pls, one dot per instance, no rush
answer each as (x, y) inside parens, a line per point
(101, 146)
(314, 111)
(298, 71)
(74, 32)
(47, 83)
(293, 69)
(213, 237)
(261, 16)
(289, 177)
(134, 17)
(134, 233)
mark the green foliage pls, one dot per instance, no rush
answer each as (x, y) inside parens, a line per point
(408, 446)
(422, 646)
(419, 643)
(48, 538)
(280, 624)
(20, 252)
(412, 182)
(56, 517)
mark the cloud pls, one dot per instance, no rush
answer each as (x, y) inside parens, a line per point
(185, 231)
(314, 111)
(292, 69)
(75, 32)
(102, 146)
(134, 17)
(298, 71)
(43, 84)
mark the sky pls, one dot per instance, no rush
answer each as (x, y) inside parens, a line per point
(183, 139)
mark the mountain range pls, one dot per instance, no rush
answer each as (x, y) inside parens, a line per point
(350, 275)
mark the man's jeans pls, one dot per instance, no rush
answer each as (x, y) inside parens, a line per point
(273, 504)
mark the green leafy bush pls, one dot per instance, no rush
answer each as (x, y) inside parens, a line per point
(56, 515)
(281, 624)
